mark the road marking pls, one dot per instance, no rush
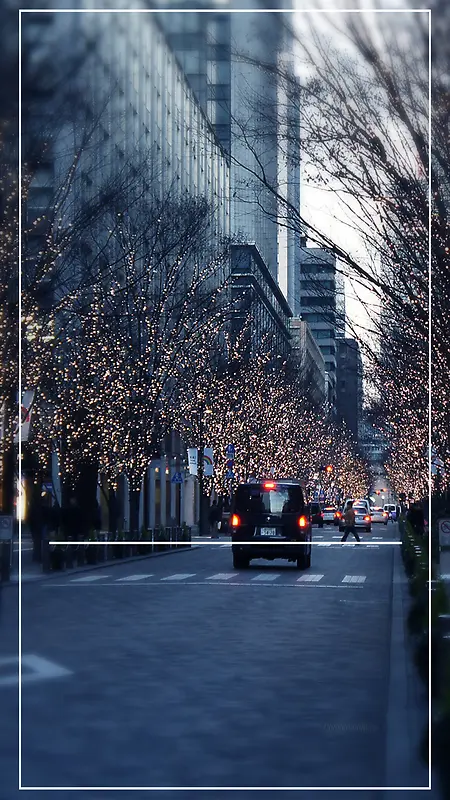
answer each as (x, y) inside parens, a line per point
(224, 545)
(134, 578)
(89, 579)
(222, 576)
(206, 582)
(318, 536)
(265, 576)
(310, 578)
(180, 576)
(335, 537)
(323, 544)
(377, 537)
(373, 545)
(354, 579)
(34, 668)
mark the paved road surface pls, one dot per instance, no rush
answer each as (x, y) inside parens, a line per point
(182, 672)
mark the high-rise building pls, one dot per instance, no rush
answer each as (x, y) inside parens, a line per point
(315, 302)
(231, 61)
(340, 304)
(310, 360)
(349, 391)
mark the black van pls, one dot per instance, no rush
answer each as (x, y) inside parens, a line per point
(270, 520)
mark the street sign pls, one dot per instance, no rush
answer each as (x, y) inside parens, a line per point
(229, 475)
(230, 464)
(6, 528)
(230, 451)
(177, 478)
(444, 533)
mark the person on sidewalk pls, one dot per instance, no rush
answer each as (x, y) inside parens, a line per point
(349, 524)
(214, 516)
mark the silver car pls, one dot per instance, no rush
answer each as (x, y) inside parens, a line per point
(363, 518)
(379, 515)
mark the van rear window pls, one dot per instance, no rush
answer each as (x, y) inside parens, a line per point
(280, 500)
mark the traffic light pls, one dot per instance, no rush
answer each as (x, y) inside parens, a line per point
(329, 468)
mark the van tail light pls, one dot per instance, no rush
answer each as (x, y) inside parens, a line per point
(235, 521)
(302, 522)
(269, 485)
(338, 515)
(385, 513)
(367, 518)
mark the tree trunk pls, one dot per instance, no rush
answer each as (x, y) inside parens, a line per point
(86, 493)
(134, 498)
(113, 512)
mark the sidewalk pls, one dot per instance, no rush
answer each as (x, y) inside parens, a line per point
(408, 703)
(407, 711)
(32, 571)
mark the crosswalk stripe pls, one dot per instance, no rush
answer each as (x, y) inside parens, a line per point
(89, 579)
(335, 537)
(265, 576)
(354, 579)
(180, 576)
(134, 578)
(222, 576)
(310, 578)
(323, 544)
(224, 545)
(373, 545)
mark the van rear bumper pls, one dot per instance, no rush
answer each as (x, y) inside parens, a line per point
(270, 550)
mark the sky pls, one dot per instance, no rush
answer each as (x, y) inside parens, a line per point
(328, 214)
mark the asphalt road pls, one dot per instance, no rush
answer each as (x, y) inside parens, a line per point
(182, 672)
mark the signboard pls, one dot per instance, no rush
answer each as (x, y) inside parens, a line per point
(444, 533)
(177, 478)
(192, 460)
(208, 461)
(230, 451)
(6, 528)
(229, 475)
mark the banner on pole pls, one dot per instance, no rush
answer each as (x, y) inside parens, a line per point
(208, 462)
(25, 413)
(192, 460)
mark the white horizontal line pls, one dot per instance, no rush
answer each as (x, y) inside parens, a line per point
(216, 544)
(218, 788)
(162, 582)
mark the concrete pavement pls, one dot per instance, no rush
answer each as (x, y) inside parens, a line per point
(184, 672)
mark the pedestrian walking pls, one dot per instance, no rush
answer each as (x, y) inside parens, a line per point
(349, 524)
(214, 516)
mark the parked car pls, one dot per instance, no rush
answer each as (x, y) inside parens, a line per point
(379, 515)
(329, 513)
(270, 519)
(316, 514)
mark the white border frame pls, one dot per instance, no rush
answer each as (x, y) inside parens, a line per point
(229, 11)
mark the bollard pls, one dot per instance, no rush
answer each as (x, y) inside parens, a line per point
(70, 555)
(6, 550)
(45, 553)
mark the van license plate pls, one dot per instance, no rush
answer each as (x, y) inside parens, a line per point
(269, 532)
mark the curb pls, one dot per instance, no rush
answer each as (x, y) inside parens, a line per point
(45, 576)
(405, 725)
